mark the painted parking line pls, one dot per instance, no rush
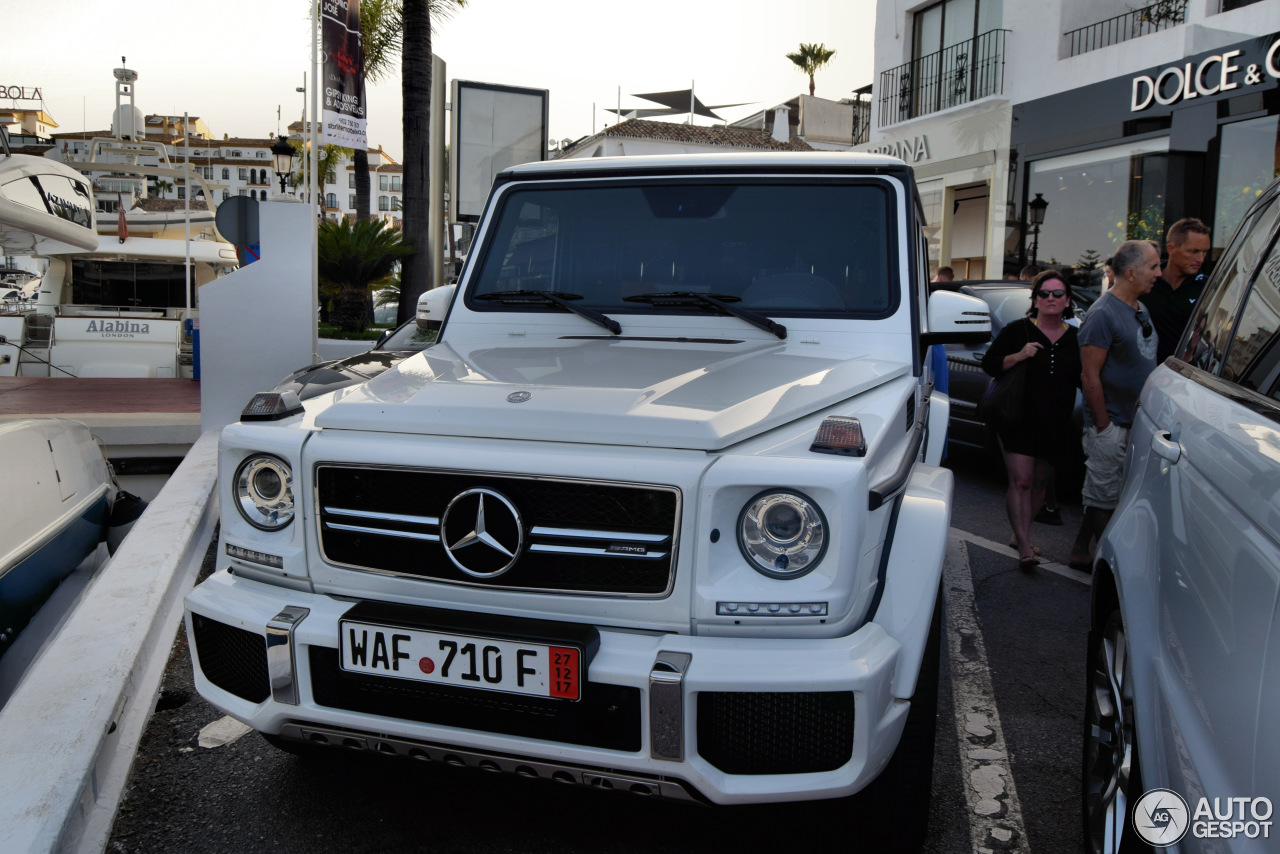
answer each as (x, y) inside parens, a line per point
(995, 817)
(1047, 565)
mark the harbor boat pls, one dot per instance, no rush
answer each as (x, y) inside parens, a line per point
(43, 204)
(122, 303)
(58, 513)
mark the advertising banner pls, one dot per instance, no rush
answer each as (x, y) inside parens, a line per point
(343, 116)
(494, 127)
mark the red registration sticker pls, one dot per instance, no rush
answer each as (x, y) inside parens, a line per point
(564, 672)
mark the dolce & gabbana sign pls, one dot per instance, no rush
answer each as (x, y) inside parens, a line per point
(1218, 74)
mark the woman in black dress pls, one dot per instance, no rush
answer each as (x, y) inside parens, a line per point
(1044, 432)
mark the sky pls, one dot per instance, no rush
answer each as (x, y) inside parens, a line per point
(233, 62)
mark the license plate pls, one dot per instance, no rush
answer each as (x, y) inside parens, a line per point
(513, 667)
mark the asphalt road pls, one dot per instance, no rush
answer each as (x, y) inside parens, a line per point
(1027, 686)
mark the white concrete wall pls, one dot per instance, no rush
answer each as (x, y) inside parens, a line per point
(619, 147)
(824, 120)
(256, 325)
(1037, 64)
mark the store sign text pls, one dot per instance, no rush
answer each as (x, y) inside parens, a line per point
(1210, 76)
(910, 150)
(20, 93)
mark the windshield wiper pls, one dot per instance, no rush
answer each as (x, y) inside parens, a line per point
(717, 301)
(557, 298)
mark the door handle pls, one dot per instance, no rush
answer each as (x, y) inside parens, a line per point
(1165, 448)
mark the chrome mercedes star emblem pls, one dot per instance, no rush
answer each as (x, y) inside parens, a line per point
(481, 532)
(519, 396)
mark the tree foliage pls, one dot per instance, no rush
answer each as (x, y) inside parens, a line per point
(330, 157)
(810, 59)
(353, 256)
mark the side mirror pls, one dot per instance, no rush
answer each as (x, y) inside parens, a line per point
(382, 339)
(956, 319)
(433, 305)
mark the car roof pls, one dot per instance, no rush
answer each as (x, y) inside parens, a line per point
(790, 160)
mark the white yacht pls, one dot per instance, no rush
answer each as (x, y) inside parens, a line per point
(123, 304)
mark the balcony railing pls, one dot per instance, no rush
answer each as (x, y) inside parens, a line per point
(956, 75)
(1161, 15)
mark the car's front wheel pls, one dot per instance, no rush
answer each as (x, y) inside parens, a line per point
(1111, 778)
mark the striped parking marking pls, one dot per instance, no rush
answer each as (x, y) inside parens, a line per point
(1047, 565)
(995, 819)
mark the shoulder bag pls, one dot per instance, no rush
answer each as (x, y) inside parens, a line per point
(1003, 400)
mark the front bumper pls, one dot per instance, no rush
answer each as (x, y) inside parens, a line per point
(676, 715)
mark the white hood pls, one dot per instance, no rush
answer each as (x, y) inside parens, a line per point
(672, 394)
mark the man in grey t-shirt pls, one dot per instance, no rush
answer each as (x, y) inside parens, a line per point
(1118, 352)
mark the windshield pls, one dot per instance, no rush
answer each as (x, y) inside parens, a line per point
(797, 249)
(409, 337)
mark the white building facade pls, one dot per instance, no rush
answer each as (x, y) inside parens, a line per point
(1122, 119)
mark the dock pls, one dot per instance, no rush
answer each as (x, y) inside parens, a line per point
(100, 398)
(147, 425)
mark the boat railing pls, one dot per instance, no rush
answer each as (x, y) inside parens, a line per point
(114, 311)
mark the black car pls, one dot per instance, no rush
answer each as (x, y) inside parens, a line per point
(329, 376)
(392, 348)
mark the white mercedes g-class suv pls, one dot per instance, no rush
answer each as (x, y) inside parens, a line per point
(661, 511)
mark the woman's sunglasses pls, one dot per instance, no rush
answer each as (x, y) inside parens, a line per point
(1056, 294)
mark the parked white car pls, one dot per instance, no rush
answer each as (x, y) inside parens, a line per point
(661, 511)
(1182, 736)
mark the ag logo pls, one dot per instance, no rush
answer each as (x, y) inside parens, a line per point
(1160, 817)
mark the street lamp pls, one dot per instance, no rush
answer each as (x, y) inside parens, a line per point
(1035, 215)
(282, 153)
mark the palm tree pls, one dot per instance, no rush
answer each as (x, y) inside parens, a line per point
(415, 95)
(381, 32)
(162, 186)
(811, 58)
(354, 256)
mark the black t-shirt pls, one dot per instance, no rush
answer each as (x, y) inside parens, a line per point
(1171, 309)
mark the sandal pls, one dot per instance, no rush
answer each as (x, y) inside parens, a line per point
(1013, 544)
(1026, 564)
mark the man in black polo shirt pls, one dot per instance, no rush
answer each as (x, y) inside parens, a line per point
(1173, 298)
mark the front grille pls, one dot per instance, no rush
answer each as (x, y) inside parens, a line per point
(961, 364)
(607, 716)
(233, 659)
(578, 536)
(775, 733)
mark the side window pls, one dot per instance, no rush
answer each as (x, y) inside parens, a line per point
(1254, 358)
(1213, 324)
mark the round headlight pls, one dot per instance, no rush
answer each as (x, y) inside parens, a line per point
(264, 492)
(782, 534)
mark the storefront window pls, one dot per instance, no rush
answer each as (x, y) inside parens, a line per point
(1097, 200)
(1246, 165)
(947, 54)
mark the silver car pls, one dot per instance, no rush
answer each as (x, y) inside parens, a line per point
(1182, 731)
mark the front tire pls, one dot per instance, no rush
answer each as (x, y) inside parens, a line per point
(1111, 779)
